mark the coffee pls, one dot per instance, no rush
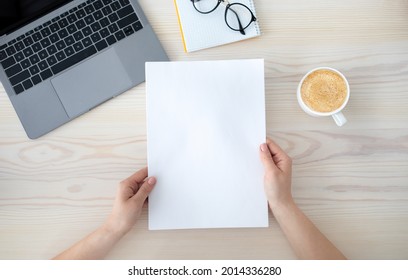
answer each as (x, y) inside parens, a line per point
(324, 91)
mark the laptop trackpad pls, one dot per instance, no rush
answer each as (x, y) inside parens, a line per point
(91, 83)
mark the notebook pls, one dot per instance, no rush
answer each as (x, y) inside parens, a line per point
(203, 137)
(201, 31)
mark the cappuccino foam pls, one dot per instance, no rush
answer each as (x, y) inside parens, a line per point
(324, 91)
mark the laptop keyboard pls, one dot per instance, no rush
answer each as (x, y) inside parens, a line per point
(66, 40)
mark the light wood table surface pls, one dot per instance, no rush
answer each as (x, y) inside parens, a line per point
(351, 181)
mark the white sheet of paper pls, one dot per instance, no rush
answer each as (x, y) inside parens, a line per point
(205, 122)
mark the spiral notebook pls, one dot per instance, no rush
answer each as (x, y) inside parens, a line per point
(202, 31)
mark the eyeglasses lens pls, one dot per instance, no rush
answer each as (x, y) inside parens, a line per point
(238, 14)
(205, 6)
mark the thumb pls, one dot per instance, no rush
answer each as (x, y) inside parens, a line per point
(266, 157)
(144, 190)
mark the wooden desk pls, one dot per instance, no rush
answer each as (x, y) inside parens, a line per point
(351, 181)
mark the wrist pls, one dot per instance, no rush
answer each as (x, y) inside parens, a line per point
(112, 229)
(281, 205)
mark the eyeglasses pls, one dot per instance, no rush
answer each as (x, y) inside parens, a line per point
(237, 16)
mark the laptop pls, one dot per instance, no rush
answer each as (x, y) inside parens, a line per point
(61, 58)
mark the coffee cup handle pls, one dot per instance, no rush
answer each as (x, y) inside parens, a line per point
(339, 118)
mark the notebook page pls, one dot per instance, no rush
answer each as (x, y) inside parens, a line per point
(202, 31)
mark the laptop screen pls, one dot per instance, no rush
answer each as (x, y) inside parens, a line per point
(15, 13)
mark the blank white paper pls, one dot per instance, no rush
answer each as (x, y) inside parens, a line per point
(205, 122)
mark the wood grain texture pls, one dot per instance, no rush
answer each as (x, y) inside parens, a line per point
(351, 181)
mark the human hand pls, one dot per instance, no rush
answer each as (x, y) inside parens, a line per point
(131, 196)
(278, 174)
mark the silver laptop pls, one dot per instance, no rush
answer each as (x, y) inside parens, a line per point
(61, 58)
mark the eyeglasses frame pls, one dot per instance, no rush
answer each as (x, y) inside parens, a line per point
(227, 8)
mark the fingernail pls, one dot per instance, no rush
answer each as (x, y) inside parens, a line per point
(151, 181)
(264, 147)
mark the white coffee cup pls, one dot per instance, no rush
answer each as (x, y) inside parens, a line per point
(337, 115)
